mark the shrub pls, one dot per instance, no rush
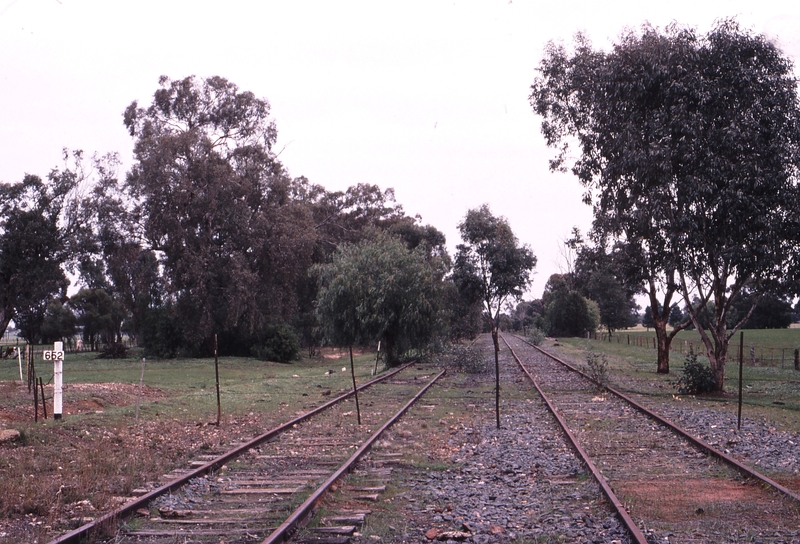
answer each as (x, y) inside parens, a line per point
(161, 336)
(278, 343)
(536, 336)
(597, 368)
(113, 350)
(461, 358)
(696, 378)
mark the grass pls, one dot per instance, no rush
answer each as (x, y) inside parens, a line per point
(772, 392)
(189, 384)
(97, 451)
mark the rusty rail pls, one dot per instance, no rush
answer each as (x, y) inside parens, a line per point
(287, 528)
(742, 468)
(633, 529)
(113, 517)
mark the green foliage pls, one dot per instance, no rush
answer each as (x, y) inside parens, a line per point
(278, 343)
(161, 335)
(696, 378)
(465, 312)
(113, 350)
(35, 240)
(99, 314)
(218, 207)
(601, 274)
(468, 359)
(378, 290)
(490, 266)
(770, 312)
(597, 368)
(687, 145)
(567, 312)
(59, 323)
(536, 335)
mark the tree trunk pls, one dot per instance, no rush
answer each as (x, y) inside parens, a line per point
(718, 365)
(495, 340)
(5, 319)
(663, 341)
(388, 344)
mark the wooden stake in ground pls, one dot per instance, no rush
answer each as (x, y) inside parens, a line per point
(139, 395)
(355, 389)
(741, 361)
(31, 372)
(216, 371)
(377, 356)
(35, 400)
(19, 358)
(44, 402)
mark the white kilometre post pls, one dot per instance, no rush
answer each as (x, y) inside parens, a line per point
(57, 355)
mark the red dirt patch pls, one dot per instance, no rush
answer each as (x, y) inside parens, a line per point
(682, 497)
(77, 398)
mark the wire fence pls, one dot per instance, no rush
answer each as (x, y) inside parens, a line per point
(754, 354)
(72, 344)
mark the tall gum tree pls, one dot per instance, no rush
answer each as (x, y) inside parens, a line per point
(689, 152)
(217, 206)
(491, 262)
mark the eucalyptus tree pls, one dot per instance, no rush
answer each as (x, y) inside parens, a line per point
(491, 263)
(688, 147)
(217, 207)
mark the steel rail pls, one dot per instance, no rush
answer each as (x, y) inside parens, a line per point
(128, 508)
(288, 527)
(633, 529)
(742, 468)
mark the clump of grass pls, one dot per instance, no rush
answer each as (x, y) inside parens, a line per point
(597, 369)
(536, 336)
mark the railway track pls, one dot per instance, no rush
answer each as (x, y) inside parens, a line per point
(265, 489)
(666, 485)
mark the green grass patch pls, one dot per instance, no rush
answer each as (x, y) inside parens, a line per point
(772, 392)
(189, 385)
(771, 346)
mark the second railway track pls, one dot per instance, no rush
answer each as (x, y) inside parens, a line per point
(672, 490)
(262, 492)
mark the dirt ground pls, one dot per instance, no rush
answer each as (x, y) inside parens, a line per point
(55, 477)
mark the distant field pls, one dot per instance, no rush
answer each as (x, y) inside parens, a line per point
(773, 347)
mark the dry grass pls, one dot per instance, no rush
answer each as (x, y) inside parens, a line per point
(61, 474)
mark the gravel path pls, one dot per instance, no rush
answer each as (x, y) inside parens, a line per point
(520, 483)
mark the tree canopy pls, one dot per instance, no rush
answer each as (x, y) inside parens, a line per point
(689, 153)
(492, 266)
(380, 290)
(38, 238)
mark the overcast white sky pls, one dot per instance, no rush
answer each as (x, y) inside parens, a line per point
(428, 97)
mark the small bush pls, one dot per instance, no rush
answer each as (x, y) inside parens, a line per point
(278, 343)
(467, 359)
(536, 336)
(696, 377)
(114, 350)
(597, 368)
